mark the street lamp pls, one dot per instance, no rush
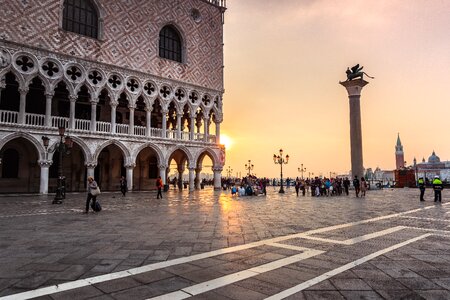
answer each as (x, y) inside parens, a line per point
(249, 167)
(278, 159)
(63, 146)
(301, 170)
(229, 171)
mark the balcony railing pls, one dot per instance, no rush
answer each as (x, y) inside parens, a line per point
(81, 125)
(219, 3)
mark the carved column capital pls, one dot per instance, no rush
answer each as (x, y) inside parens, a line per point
(73, 98)
(162, 166)
(90, 165)
(130, 166)
(23, 90)
(43, 163)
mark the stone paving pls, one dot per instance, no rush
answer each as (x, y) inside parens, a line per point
(209, 245)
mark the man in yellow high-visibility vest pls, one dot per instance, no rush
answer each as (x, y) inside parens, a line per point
(437, 187)
(421, 184)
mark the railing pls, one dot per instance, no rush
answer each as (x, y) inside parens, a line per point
(212, 138)
(171, 134)
(220, 3)
(103, 126)
(156, 132)
(198, 136)
(122, 128)
(9, 117)
(82, 124)
(12, 117)
(140, 130)
(60, 122)
(185, 136)
(34, 119)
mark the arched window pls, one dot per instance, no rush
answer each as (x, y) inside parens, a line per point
(10, 161)
(170, 43)
(80, 16)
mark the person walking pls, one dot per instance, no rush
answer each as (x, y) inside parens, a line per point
(159, 186)
(346, 184)
(437, 187)
(123, 186)
(363, 186)
(356, 185)
(297, 186)
(92, 185)
(421, 184)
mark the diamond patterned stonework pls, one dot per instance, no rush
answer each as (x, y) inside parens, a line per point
(129, 35)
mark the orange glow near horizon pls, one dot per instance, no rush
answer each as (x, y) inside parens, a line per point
(283, 63)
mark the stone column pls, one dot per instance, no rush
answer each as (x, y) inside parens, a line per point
(148, 120)
(162, 173)
(94, 114)
(197, 178)
(91, 169)
(164, 123)
(131, 124)
(192, 128)
(180, 170)
(217, 178)
(73, 100)
(113, 117)
(217, 132)
(48, 109)
(23, 101)
(354, 88)
(45, 165)
(178, 125)
(206, 129)
(130, 176)
(191, 179)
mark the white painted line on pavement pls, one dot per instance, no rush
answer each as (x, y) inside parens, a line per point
(426, 219)
(313, 281)
(287, 246)
(235, 277)
(355, 239)
(107, 277)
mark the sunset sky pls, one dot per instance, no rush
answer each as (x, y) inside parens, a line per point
(283, 63)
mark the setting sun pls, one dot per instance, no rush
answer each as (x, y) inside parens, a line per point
(226, 141)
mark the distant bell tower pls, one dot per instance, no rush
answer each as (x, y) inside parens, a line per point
(399, 155)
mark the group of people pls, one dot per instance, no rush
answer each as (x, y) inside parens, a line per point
(249, 186)
(437, 188)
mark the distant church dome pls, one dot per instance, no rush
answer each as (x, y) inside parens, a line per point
(433, 159)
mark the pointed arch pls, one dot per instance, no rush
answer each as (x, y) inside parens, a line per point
(182, 148)
(37, 143)
(125, 152)
(211, 153)
(158, 151)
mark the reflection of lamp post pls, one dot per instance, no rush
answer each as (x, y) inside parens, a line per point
(249, 167)
(63, 146)
(301, 170)
(229, 170)
(278, 159)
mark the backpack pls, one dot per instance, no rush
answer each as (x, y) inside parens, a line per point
(96, 207)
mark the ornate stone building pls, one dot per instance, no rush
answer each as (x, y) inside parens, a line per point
(137, 84)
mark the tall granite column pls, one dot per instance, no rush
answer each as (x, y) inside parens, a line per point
(354, 88)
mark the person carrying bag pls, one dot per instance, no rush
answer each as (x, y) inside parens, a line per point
(93, 192)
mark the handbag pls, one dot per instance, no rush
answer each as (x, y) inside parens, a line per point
(95, 192)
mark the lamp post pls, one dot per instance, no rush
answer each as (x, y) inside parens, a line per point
(278, 159)
(301, 170)
(249, 167)
(229, 171)
(64, 145)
